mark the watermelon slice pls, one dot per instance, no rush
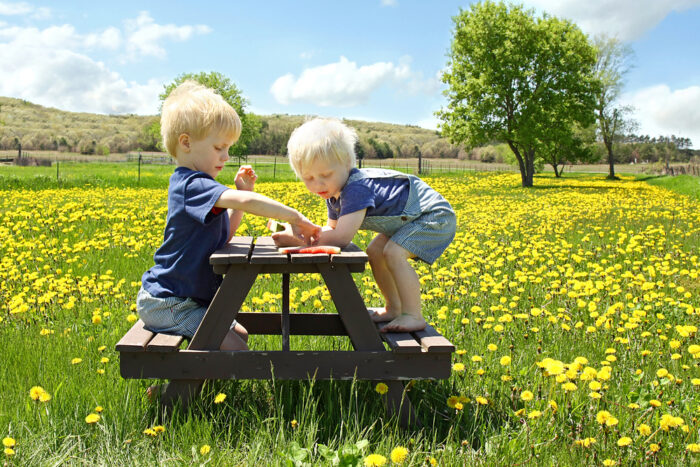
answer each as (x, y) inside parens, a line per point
(311, 250)
(274, 226)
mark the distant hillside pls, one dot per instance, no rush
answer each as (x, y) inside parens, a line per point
(43, 128)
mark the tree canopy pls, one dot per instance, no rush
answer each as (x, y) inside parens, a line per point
(511, 76)
(231, 94)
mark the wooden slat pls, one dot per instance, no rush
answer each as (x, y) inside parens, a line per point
(300, 324)
(135, 339)
(365, 365)
(310, 259)
(164, 343)
(399, 341)
(265, 252)
(235, 252)
(350, 254)
(433, 341)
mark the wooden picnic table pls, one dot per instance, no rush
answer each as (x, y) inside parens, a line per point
(418, 355)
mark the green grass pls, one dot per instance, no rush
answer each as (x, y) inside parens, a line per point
(572, 269)
(688, 185)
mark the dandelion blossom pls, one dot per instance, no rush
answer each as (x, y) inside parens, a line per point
(527, 396)
(693, 447)
(381, 388)
(76, 360)
(35, 392)
(9, 442)
(219, 398)
(375, 460)
(92, 419)
(204, 450)
(644, 429)
(505, 361)
(459, 367)
(624, 441)
(398, 454)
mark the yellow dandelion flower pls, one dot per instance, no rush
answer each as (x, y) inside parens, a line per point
(294, 424)
(534, 414)
(655, 403)
(693, 447)
(458, 367)
(654, 447)
(104, 360)
(96, 319)
(505, 361)
(482, 400)
(609, 462)
(381, 388)
(624, 441)
(159, 428)
(644, 429)
(398, 454)
(99, 409)
(44, 397)
(92, 419)
(452, 401)
(150, 432)
(527, 396)
(9, 442)
(219, 398)
(569, 386)
(35, 392)
(76, 360)
(375, 460)
(132, 318)
(9, 452)
(662, 373)
(205, 449)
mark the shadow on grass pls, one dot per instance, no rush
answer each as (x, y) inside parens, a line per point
(332, 413)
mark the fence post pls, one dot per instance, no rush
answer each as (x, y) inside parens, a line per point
(139, 180)
(274, 170)
(57, 180)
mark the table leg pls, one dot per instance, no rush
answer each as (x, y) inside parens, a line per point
(363, 333)
(224, 308)
(285, 312)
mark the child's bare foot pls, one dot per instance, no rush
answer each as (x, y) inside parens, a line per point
(405, 323)
(381, 315)
(153, 392)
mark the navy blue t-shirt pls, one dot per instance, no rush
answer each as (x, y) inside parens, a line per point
(381, 196)
(193, 231)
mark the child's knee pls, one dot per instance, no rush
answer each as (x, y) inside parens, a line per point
(393, 252)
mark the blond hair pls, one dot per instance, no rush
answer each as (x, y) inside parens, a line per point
(321, 138)
(197, 111)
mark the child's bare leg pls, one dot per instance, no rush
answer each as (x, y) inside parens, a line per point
(384, 280)
(408, 286)
(233, 341)
(241, 331)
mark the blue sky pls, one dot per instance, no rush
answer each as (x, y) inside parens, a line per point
(376, 60)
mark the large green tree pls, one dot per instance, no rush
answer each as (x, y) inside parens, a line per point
(231, 94)
(511, 75)
(612, 63)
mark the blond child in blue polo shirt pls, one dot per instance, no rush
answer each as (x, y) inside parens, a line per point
(412, 219)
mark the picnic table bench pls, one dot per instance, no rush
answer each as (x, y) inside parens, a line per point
(388, 357)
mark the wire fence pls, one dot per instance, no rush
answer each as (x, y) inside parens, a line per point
(277, 168)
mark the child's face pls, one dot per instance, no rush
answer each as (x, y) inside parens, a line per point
(324, 178)
(207, 155)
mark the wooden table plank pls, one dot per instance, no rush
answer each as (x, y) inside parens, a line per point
(265, 252)
(164, 343)
(433, 341)
(236, 251)
(399, 341)
(350, 254)
(135, 339)
(293, 365)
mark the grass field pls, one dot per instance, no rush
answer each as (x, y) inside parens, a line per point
(574, 308)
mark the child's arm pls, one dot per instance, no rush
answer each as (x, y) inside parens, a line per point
(337, 233)
(245, 180)
(254, 203)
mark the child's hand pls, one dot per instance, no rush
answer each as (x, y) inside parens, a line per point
(307, 231)
(245, 178)
(303, 233)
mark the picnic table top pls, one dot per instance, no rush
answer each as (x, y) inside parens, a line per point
(262, 250)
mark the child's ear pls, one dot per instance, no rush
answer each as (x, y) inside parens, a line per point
(184, 140)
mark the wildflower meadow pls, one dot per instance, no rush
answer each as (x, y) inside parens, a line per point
(573, 306)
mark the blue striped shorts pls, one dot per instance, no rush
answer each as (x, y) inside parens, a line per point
(429, 235)
(170, 315)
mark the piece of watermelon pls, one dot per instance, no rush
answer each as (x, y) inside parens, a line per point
(311, 250)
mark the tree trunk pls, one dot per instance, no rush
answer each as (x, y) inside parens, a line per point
(556, 170)
(611, 161)
(522, 164)
(529, 168)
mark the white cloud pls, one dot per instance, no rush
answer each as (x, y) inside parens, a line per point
(11, 9)
(663, 111)
(53, 66)
(344, 84)
(626, 19)
(144, 35)
(390, 3)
